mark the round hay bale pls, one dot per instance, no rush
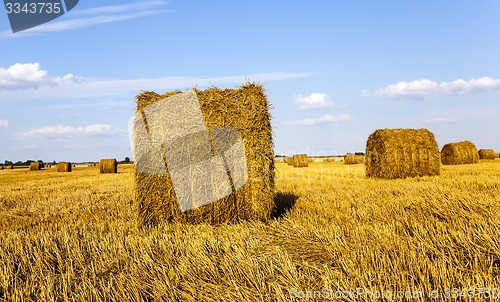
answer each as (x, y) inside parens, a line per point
(35, 166)
(244, 110)
(9, 167)
(300, 160)
(353, 159)
(459, 153)
(64, 166)
(487, 154)
(108, 165)
(289, 160)
(401, 153)
(1, 167)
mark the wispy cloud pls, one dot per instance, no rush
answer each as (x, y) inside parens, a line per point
(313, 101)
(101, 104)
(4, 123)
(126, 7)
(85, 87)
(325, 119)
(61, 131)
(424, 88)
(440, 120)
(95, 16)
(25, 147)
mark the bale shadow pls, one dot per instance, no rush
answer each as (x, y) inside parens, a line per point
(283, 203)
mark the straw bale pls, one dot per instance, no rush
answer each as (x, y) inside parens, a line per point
(459, 153)
(64, 166)
(487, 154)
(246, 112)
(108, 165)
(353, 159)
(289, 160)
(401, 153)
(300, 160)
(36, 165)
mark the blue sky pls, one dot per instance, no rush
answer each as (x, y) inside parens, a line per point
(334, 71)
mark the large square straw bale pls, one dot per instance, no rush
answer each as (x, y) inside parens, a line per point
(244, 110)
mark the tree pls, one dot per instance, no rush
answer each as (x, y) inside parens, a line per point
(127, 159)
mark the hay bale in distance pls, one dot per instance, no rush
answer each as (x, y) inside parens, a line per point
(279, 159)
(459, 153)
(246, 110)
(401, 153)
(108, 165)
(9, 167)
(34, 166)
(300, 160)
(353, 159)
(487, 154)
(64, 166)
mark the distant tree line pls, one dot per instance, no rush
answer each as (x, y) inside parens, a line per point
(22, 163)
(53, 163)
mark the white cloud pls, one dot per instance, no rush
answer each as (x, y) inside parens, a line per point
(440, 120)
(19, 74)
(4, 123)
(76, 146)
(427, 88)
(313, 101)
(29, 76)
(325, 119)
(95, 16)
(66, 79)
(83, 87)
(60, 131)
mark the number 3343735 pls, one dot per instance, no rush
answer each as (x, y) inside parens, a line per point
(33, 8)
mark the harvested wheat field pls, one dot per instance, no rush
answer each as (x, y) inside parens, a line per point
(74, 237)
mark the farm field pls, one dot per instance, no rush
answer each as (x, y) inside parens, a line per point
(334, 234)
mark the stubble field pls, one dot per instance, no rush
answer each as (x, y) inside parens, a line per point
(335, 234)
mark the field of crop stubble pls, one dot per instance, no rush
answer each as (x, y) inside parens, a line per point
(73, 236)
